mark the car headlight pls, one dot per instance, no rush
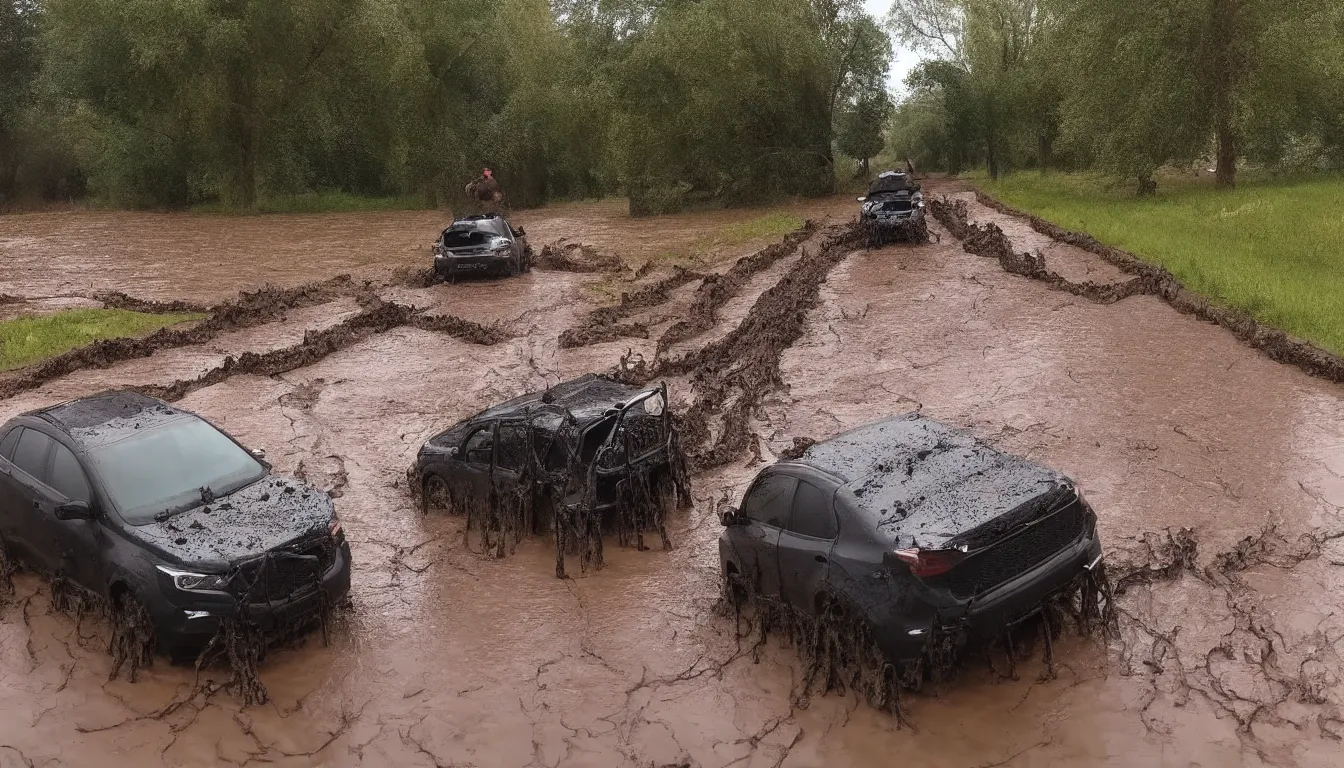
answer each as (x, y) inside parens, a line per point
(195, 582)
(499, 244)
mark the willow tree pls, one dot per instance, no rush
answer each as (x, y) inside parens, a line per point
(1162, 81)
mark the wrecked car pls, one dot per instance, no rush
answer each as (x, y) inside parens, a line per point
(583, 458)
(167, 521)
(916, 531)
(483, 244)
(893, 210)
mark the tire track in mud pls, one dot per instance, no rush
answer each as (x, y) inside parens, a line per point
(378, 317)
(604, 323)
(716, 290)
(1148, 280)
(732, 375)
(249, 309)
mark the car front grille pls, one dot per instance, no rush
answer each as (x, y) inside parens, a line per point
(1015, 555)
(286, 572)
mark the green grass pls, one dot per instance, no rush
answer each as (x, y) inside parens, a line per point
(320, 202)
(27, 340)
(771, 225)
(1272, 247)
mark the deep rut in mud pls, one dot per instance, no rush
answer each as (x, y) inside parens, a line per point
(1150, 280)
(604, 323)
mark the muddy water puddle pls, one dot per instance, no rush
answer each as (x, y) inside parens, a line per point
(450, 658)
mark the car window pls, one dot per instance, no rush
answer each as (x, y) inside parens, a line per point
(170, 468)
(769, 500)
(479, 446)
(7, 445)
(812, 515)
(512, 446)
(31, 453)
(68, 477)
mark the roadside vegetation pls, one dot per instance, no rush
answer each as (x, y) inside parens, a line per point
(1270, 247)
(27, 340)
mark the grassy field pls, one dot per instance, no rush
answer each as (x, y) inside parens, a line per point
(27, 340)
(1274, 248)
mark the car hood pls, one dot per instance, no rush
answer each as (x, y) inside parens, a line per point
(271, 512)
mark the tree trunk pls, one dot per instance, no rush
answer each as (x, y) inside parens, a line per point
(1043, 145)
(992, 158)
(1225, 79)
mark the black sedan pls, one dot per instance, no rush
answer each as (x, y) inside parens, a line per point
(478, 245)
(914, 528)
(156, 512)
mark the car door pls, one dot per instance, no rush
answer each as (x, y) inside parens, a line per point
(14, 502)
(474, 462)
(511, 451)
(765, 510)
(805, 545)
(28, 499)
(75, 545)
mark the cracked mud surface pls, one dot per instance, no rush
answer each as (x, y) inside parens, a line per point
(1231, 635)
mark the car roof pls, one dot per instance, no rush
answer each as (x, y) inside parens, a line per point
(588, 396)
(109, 416)
(914, 467)
(488, 222)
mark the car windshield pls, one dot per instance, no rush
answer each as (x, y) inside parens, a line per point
(164, 469)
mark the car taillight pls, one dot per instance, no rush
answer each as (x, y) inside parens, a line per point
(930, 562)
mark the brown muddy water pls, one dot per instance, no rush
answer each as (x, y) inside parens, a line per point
(449, 658)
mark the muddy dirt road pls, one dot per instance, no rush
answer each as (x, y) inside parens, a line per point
(1229, 657)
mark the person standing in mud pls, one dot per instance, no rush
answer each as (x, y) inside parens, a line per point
(484, 194)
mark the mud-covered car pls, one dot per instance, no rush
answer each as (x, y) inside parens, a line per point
(484, 244)
(155, 513)
(584, 457)
(893, 210)
(916, 530)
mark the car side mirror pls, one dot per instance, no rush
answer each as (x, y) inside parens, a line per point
(863, 199)
(522, 232)
(74, 510)
(732, 516)
(258, 453)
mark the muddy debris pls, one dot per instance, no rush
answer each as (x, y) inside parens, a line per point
(379, 317)
(733, 374)
(565, 256)
(119, 300)
(249, 309)
(604, 323)
(1149, 280)
(716, 289)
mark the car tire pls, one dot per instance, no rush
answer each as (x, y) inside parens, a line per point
(133, 636)
(735, 592)
(515, 266)
(436, 495)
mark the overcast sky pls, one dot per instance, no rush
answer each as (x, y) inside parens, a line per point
(905, 60)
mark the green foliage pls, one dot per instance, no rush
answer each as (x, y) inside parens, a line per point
(226, 103)
(1270, 247)
(27, 340)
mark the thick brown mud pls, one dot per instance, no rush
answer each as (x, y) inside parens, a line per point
(1230, 636)
(604, 323)
(1148, 279)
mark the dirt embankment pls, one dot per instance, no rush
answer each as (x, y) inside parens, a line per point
(733, 374)
(716, 290)
(577, 257)
(378, 317)
(248, 310)
(1148, 280)
(604, 324)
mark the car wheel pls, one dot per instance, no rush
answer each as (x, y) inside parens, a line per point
(132, 642)
(437, 496)
(735, 592)
(515, 265)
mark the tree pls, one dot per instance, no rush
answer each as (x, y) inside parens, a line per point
(1159, 81)
(18, 79)
(859, 130)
